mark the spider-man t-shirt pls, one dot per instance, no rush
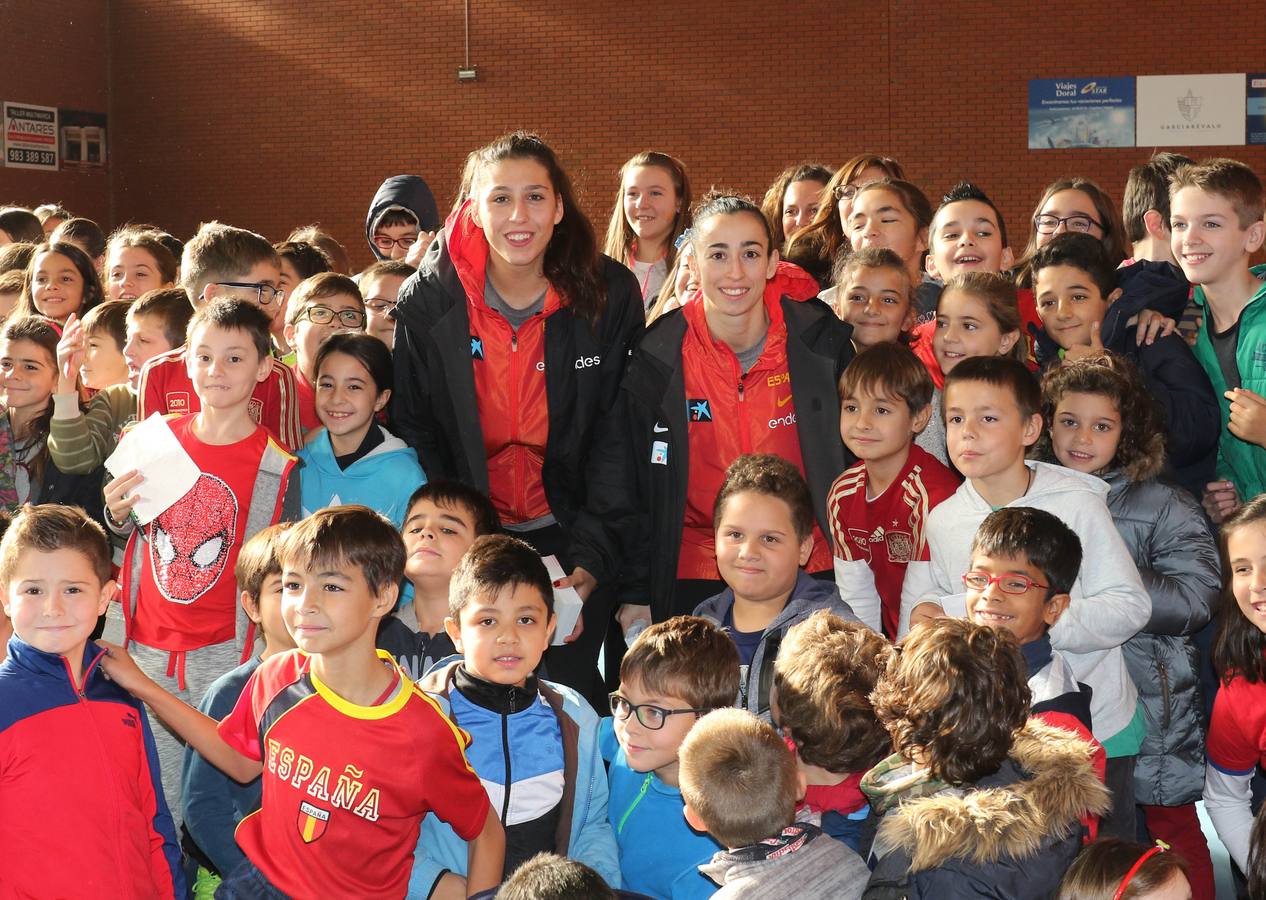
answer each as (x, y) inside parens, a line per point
(188, 596)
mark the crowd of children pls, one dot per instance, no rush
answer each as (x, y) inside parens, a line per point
(908, 565)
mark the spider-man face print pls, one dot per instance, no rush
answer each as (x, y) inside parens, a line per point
(191, 540)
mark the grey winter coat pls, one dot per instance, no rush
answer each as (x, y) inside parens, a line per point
(1177, 559)
(807, 597)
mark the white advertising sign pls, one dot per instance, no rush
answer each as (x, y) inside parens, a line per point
(1190, 110)
(30, 136)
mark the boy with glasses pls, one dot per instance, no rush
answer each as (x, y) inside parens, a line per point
(380, 286)
(403, 209)
(226, 262)
(320, 306)
(675, 672)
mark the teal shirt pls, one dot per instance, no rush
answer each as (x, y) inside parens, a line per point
(1239, 462)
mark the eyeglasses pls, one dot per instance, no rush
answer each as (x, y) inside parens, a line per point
(1160, 847)
(379, 305)
(845, 191)
(323, 315)
(265, 294)
(652, 717)
(1010, 582)
(384, 243)
(1078, 222)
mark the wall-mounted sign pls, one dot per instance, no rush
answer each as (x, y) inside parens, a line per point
(83, 139)
(1081, 112)
(30, 136)
(1191, 110)
(1255, 109)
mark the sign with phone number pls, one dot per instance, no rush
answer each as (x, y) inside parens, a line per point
(30, 136)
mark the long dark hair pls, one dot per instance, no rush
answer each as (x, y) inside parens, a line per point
(93, 293)
(573, 264)
(41, 332)
(1239, 646)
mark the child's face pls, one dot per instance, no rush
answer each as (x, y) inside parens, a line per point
(305, 334)
(145, 340)
(130, 272)
(57, 288)
(347, 398)
(265, 272)
(435, 540)
(517, 208)
(880, 219)
(328, 608)
(1014, 602)
(1069, 303)
(800, 204)
(649, 749)
(985, 429)
(966, 238)
(758, 552)
(879, 426)
(380, 299)
(289, 279)
(1086, 431)
(27, 373)
(502, 637)
(1066, 204)
(650, 202)
(103, 363)
(266, 612)
(405, 231)
(734, 263)
(965, 327)
(54, 600)
(1206, 236)
(877, 305)
(224, 366)
(1246, 552)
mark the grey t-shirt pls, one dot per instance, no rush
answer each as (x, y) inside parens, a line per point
(747, 358)
(516, 317)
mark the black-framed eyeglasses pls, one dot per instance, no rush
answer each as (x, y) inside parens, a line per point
(323, 315)
(379, 305)
(652, 717)
(265, 293)
(845, 191)
(1009, 582)
(384, 243)
(1078, 222)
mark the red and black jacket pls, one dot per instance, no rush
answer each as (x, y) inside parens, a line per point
(475, 426)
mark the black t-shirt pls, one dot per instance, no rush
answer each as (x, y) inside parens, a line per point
(1225, 344)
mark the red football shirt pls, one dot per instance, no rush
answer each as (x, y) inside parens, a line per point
(166, 388)
(1237, 729)
(345, 787)
(305, 401)
(888, 531)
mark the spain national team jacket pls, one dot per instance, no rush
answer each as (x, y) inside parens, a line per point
(520, 429)
(642, 476)
(82, 812)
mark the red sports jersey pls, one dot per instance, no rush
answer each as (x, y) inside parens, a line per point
(166, 388)
(305, 401)
(729, 413)
(888, 531)
(1237, 729)
(188, 595)
(346, 786)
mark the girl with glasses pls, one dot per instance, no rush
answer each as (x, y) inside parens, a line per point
(1073, 205)
(323, 305)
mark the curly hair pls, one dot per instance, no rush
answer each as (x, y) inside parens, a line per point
(954, 695)
(1141, 450)
(823, 678)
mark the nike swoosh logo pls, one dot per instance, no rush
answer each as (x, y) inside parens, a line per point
(784, 401)
(659, 429)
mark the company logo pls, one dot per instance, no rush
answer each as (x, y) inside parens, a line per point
(789, 419)
(659, 429)
(476, 347)
(312, 821)
(783, 401)
(699, 410)
(1093, 87)
(1190, 105)
(586, 362)
(130, 720)
(1258, 82)
(659, 453)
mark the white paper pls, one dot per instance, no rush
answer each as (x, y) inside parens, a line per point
(567, 602)
(151, 448)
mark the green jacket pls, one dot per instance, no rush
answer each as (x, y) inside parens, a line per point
(1240, 462)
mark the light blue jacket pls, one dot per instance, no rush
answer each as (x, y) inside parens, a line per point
(590, 838)
(383, 479)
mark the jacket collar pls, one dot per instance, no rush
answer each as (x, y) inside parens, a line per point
(1037, 654)
(468, 251)
(30, 659)
(499, 698)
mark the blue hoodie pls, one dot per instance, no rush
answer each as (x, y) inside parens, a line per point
(383, 479)
(408, 192)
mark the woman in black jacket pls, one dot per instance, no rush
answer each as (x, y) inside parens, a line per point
(511, 341)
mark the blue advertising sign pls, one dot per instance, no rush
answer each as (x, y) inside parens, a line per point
(1081, 112)
(1255, 109)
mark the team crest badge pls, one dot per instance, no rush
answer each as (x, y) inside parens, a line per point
(255, 409)
(312, 821)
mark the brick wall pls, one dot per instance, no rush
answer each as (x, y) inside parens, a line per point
(55, 54)
(269, 115)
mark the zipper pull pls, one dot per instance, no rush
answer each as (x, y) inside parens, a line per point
(514, 343)
(740, 390)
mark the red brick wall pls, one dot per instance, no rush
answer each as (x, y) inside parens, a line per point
(273, 114)
(55, 54)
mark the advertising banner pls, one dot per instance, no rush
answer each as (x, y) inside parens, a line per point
(30, 136)
(1255, 109)
(1191, 110)
(1081, 112)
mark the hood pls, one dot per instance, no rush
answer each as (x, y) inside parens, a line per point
(1009, 819)
(807, 597)
(406, 192)
(320, 456)
(1158, 286)
(792, 281)
(1049, 480)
